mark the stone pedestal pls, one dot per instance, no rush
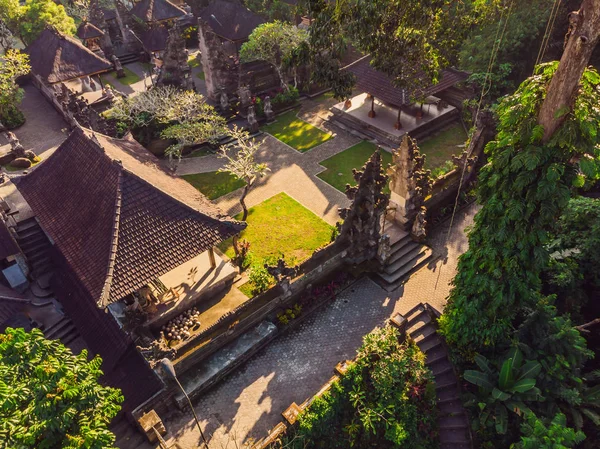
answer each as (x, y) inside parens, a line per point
(150, 424)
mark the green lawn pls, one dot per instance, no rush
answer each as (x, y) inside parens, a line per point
(201, 76)
(200, 153)
(193, 61)
(439, 147)
(282, 225)
(295, 132)
(214, 184)
(344, 162)
(129, 78)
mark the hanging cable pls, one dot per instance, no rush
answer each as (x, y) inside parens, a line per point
(493, 55)
(547, 32)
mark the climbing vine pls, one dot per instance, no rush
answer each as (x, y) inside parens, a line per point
(523, 188)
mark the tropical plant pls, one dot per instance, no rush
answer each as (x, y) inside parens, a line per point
(555, 435)
(507, 387)
(12, 65)
(272, 9)
(242, 164)
(50, 398)
(275, 43)
(29, 20)
(260, 279)
(523, 189)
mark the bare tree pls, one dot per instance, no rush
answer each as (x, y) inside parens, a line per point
(242, 163)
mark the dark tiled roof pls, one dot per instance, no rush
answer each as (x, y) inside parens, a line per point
(56, 57)
(88, 30)
(231, 20)
(155, 38)
(119, 219)
(8, 246)
(379, 85)
(156, 10)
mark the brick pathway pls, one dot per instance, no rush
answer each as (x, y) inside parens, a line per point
(43, 129)
(291, 172)
(292, 368)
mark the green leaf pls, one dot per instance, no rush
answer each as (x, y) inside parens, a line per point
(506, 378)
(500, 395)
(478, 378)
(523, 385)
(517, 356)
(592, 415)
(501, 419)
(531, 369)
(483, 364)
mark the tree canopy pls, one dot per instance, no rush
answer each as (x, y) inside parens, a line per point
(12, 65)
(51, 398)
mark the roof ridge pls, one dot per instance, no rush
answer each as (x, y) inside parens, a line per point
(112, 256)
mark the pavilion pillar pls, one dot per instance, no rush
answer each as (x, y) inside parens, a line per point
(398, 124)
(211, 257)
(372, 111)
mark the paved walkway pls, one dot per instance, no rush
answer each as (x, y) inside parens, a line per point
(44, 129)
(291, 172)
(292, 368)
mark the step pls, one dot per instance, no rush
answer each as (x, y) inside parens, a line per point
(395, 279)
(29, 232)
(418, 321)
(435, 353)
(400, 257)
(38, 256)
(40, 292)
(44, 281)
(414, 311)
(437, 358)
(400, 243)
(460, 436)
(430, 344)
(42, 245)
(450, 408)
(448, 394)
(440, 367)
(36, 264)
(425, 332)
(26, 224)
(452, 422)
(31, 242)
(58, 328)
(445, 378)
(70, 337)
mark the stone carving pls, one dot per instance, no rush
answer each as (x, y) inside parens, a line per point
(15, 146)
(175, 70)
(85, 85)
(384, 249)
(362, 220)
(409, 182)
(224, 100)
(252, 121)
(108, 92)
(419, 227)
(118, 67)
(283, 275)
(156, 350)
(463, 161)
(245, 96)
(268, 108)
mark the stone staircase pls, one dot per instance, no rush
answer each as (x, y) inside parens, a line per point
(453, 423)
(406, 257)
(37, 249)
(128, 58)
(63, 330)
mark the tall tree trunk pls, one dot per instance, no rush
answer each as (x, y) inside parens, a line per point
(243, 202)
(584, 34)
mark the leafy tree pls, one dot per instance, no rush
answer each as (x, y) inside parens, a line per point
(51, 398)
(243, 164)
(574, 250)
(409, 40)
(555, 435)
(523, 188)
(272, 9)
(12, 65)
(276, 43)
(29, 20)
(510, 386)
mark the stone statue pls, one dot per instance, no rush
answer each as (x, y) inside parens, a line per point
(108, 92)
(268, 109)
(419, 227)
(85, 84)
(252, 121)
(384, 249)
(244, 94)
(283, 275)
(118, 67)
(156, 350)
(15, 146)
(224, 102)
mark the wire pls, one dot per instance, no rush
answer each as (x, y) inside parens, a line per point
(493, 55)
(547, 32)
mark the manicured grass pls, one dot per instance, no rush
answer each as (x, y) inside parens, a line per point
(344, 162)
(247, 289)
(201, 76)
(214, 184)
(324, 97)
(200, 153)
(440, 147)
(281, 225)
(129, 78)
(296, 133)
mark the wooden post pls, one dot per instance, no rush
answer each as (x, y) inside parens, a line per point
(211, 256)
(372, 111)
(398, 124)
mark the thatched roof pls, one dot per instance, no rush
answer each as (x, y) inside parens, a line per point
(56, 57)
(231, 20)
(156, 10)
(88, 30)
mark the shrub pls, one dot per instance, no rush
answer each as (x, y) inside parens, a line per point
(12, 118)
(442, 170)
(386, 400)
(286, 98)
(260, 279)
